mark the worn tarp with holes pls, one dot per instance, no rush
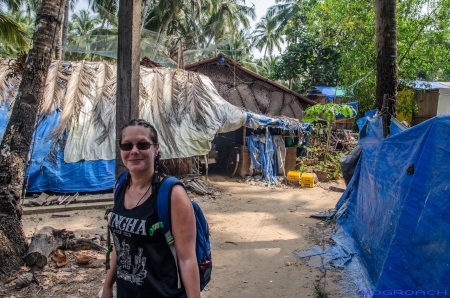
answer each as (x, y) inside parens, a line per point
(393, 217)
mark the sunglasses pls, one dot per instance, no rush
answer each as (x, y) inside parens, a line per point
(140, 146)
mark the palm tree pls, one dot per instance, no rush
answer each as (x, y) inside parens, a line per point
(18, 141)
(267, 65)
(226, 17)
(266, 36)
(81, 32)
(283, 12)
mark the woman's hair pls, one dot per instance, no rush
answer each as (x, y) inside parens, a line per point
(141, 122)
(160, 168)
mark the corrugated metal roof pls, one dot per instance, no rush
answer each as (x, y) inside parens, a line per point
(424, 85)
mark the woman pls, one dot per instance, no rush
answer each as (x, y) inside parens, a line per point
(143, 265)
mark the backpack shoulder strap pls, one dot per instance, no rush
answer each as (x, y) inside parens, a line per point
(119, 183)
(163, 205)
(163, 214)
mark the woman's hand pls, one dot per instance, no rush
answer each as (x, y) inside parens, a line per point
(107, 292)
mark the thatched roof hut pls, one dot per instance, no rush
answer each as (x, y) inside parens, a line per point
(244, 88)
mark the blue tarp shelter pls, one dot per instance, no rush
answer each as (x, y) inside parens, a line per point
(393, 217)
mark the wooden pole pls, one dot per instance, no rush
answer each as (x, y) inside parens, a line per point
(128, 77)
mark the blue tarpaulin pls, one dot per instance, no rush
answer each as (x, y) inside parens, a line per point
(256, 120)
(330, 92)
(263, 155)
(45, 175)
(393, 216)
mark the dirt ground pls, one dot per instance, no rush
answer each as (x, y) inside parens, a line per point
(254, 230)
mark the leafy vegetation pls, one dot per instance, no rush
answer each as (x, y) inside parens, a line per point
(329, 112)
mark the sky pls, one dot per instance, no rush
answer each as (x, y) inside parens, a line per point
(260, 5)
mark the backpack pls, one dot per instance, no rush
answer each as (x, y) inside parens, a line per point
(203, 243)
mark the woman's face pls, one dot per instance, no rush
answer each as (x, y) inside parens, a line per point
(138, 161)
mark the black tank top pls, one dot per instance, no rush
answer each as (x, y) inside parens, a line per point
(145, 264)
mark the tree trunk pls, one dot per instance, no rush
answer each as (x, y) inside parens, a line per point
(65, 28)
(144, 13)
(18, 134)
(386, 48)
(128, 69)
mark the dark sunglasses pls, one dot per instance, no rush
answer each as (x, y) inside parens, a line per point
(140, 146)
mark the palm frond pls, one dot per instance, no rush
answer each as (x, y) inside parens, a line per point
(79, 85)
(9, 83)
(12, 32)
(104, 110)
(4, 81)
(55, 85)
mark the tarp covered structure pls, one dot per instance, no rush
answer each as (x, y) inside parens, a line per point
(393, 217)
(74, 145)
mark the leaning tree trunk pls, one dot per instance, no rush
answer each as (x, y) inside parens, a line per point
(17, 137)
(144, 13)
(386, 47)
(65, 28)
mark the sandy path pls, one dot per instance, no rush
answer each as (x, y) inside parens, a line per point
(254, 232)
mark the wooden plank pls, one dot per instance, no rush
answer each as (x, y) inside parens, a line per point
(62, 208)
(107, 197)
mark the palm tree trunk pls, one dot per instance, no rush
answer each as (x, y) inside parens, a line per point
(18, 134)
(144, 13)
(386, 48)
(65, 28)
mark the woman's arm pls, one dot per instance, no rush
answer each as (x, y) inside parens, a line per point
(110, 276)
(184, 234)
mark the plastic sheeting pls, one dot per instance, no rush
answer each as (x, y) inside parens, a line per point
(45, 175)
(393, 215)
(263, 155)
(330, 92)
(256, 121)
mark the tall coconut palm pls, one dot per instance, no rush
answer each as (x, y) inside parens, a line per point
(283, 11)
(226, 17)
(266, 37)
(81, 32)
(16, 142)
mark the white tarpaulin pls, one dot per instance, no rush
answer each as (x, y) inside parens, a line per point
(184, 107)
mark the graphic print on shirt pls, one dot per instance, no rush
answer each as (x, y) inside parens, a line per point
(126, 269)
(134, 273)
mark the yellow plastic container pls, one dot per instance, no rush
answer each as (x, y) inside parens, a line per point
(307, 179)
(293, 176)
